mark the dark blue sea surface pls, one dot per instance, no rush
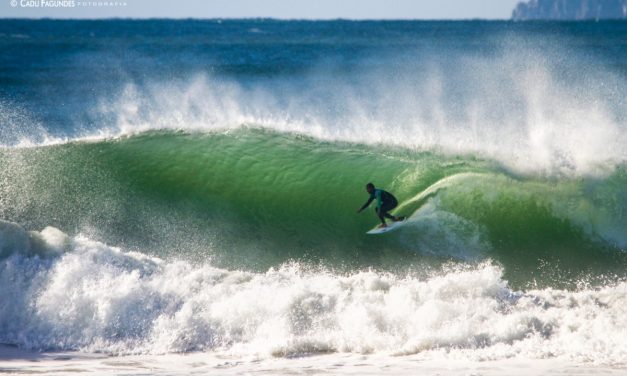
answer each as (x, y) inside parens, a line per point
(59, 70)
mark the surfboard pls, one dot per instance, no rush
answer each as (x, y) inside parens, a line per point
(391, 226)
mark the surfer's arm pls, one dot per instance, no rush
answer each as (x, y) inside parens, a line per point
(366, 204)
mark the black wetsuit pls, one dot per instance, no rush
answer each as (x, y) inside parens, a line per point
(385, 202)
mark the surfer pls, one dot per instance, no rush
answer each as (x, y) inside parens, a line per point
(385, 202)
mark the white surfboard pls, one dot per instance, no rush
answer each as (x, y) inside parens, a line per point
(391, 226)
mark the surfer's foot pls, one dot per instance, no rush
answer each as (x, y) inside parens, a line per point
(383, 225)
(398, 219)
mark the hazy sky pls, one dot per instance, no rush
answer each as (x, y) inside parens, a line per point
(309, 9)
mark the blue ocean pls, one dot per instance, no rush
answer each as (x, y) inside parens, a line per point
(178, 190)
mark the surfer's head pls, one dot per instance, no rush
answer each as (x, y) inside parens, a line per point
(370, 187)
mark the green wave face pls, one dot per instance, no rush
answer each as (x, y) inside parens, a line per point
(253, 198)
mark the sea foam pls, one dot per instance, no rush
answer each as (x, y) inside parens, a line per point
(100, 298)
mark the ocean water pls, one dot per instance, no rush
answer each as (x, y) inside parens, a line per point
(188, 189)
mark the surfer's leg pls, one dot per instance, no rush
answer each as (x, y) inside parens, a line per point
(380, 213)
(389, 206)
(385, 208)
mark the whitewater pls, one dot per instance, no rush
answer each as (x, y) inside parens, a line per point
(83, 295)
(192, 208)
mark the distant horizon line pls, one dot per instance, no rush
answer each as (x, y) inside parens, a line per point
(256, 18)
(299, 19)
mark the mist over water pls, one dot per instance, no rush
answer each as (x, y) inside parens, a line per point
(516, 105)
(200, 194)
